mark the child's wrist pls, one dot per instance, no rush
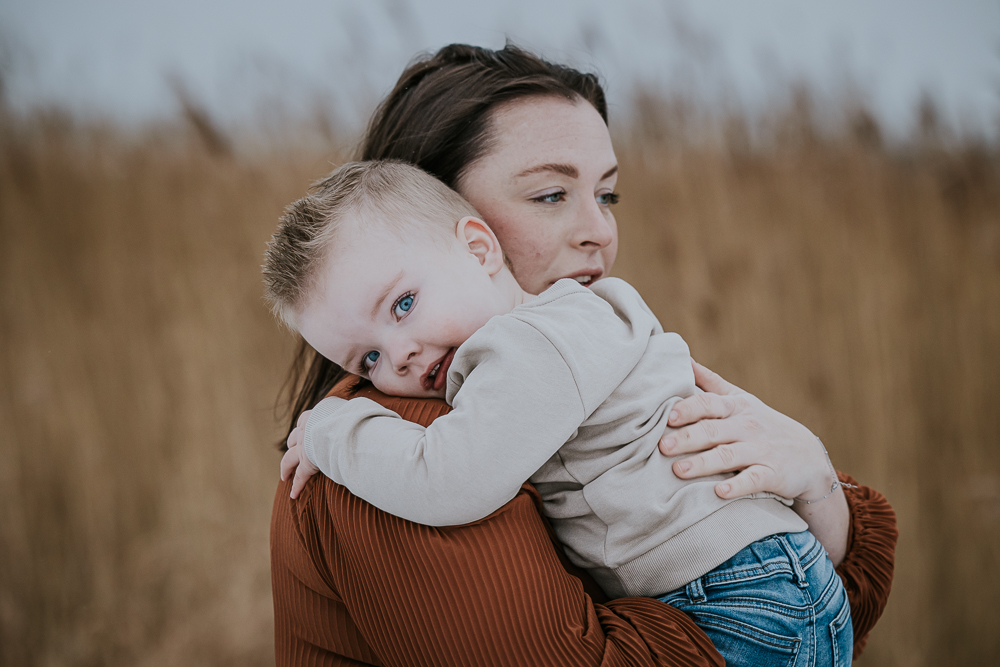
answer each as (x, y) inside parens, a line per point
(323, 409)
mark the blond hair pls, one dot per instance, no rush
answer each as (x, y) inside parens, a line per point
(386, 194)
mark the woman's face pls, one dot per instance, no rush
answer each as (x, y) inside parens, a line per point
(546, 188)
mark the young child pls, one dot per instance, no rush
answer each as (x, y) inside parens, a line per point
(392, 275)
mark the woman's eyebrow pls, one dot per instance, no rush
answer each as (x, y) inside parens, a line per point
(385, 293)
(565, 169)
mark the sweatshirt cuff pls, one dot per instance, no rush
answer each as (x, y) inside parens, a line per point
(323, 409)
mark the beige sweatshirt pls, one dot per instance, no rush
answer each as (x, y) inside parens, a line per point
(572, 390)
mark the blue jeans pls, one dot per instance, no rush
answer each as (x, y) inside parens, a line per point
(776, 602)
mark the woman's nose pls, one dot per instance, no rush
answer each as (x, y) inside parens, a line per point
(594, 228)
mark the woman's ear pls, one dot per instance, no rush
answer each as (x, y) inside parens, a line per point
(481, 242)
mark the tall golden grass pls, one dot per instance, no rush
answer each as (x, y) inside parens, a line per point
(852, 284)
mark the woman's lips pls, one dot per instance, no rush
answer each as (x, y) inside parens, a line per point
(439, 378)
(587, 277)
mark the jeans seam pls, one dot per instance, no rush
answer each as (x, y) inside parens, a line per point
(837, 625)
(759, 571)
(731, 625)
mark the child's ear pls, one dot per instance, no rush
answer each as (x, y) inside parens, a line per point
(482, 243)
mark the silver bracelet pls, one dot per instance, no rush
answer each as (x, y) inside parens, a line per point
(836, 482)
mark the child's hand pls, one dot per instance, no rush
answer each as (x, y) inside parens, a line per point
(298, 433)
(295, 458)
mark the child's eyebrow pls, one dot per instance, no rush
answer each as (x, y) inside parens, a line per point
(385, 293)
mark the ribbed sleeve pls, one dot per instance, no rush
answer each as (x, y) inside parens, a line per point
(871, 552)
(353, 585)
(312, 626)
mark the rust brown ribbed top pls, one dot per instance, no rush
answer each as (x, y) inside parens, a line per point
(353, 585)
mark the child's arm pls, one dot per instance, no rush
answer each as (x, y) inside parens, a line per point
(526, 386)
(516, 407)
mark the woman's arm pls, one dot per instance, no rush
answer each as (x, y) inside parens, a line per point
(354, 583)
(868, 566)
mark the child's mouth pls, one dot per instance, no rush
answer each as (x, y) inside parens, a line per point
(438, 374)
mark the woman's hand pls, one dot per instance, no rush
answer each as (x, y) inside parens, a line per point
(734, 430)
(726, 429)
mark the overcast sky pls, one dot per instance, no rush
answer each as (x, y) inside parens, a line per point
(239, 56)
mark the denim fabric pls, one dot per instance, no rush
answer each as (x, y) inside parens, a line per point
(776, 602)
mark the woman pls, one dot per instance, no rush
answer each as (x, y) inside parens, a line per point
(526, 142)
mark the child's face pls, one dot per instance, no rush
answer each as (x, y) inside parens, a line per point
(394, 310)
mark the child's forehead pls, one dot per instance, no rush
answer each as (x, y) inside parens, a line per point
(366, 255)
(395, 227)
(373, 241)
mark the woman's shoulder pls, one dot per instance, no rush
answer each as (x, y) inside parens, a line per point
(418, 410)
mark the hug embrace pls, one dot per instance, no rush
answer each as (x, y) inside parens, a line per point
(520, 466)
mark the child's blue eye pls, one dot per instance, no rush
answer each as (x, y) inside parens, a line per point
(371, 358)
(403, 306)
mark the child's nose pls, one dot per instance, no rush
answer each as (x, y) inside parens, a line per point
(406, 353)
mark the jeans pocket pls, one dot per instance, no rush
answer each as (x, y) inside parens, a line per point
(744, 644)
(842, 636)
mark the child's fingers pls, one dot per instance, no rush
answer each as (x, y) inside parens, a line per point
(296, 437)
(299, 481)
(298, 433)
(289, 462)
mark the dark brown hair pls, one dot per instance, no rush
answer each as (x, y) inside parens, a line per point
(438, 118)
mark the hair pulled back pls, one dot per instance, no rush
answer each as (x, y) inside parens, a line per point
(438, 117)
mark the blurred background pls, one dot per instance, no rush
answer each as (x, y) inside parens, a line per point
(810, 196)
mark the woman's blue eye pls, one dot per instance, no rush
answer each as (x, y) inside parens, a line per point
(371, 358)
(553, 198)
(607, 199)
(403, 306)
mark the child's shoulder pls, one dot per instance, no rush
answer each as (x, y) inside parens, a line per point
(616, 290)
(569, 303)
(605, 288)
(568, 293)
(612, 285)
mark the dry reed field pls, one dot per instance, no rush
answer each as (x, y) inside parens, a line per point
(851, 283)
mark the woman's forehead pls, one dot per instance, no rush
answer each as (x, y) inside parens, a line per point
(549, 130)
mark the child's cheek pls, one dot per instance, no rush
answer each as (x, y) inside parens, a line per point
(458, 330)
(449, 331)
